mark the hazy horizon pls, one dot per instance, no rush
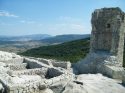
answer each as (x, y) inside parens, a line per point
(52, 17)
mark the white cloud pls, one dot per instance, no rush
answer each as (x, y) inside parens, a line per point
(5, 24)
(79, 27)
(22, 21)
(65, 18)
(7, 14)
(27, 22)
(66, 28)
(40, 24)
(30, 22)
(69, 19)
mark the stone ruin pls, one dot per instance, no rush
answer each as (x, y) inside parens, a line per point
(107, 44)
(37, 75)
(31, 75)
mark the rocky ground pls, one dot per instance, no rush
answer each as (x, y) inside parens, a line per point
(27, 75)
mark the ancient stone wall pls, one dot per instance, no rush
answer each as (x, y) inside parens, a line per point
(62, 64)
(38, 71)
(108, 27)
(31, 63)
(17, 66)
(107, 44)
(55, 63)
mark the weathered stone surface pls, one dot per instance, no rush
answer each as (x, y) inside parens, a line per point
(107, 43)
(37, 71)
(17, 66)
(94, 83)
(34, 63)
(62, 64)
(46, 91)
(108, 32)
(1, 88)
(36, 79)
(112, 71)
(53, 72)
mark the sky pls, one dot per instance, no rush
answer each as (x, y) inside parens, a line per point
(53, 17)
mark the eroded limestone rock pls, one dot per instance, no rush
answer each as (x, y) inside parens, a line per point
(94, 83)
(107, 44)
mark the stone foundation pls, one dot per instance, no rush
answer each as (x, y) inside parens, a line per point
(28, 75)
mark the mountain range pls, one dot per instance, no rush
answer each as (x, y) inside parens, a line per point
(23, 43)
(64, 38)
(45, 38)
(24, 37)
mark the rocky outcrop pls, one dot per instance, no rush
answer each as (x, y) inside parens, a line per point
(94, 83)
(107, 44)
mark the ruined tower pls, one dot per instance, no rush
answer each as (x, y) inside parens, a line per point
(108, 26)
(107, 44)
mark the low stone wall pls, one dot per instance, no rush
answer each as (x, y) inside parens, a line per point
(38, 71)
(36, 85)
(63, 64)
(27, 75)
(21, 84)
(55, 63)
(17, 66)
(31, 63)
(14, 61)
(50, 82)
(45, 61)
(32, 87)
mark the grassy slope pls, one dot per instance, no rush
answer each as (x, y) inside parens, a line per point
(69, 51)
(72, 51)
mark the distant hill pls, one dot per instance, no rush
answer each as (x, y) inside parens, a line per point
(25, 37)
(19, 46)
(71, 51)
(22, 43)
(64, 38)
